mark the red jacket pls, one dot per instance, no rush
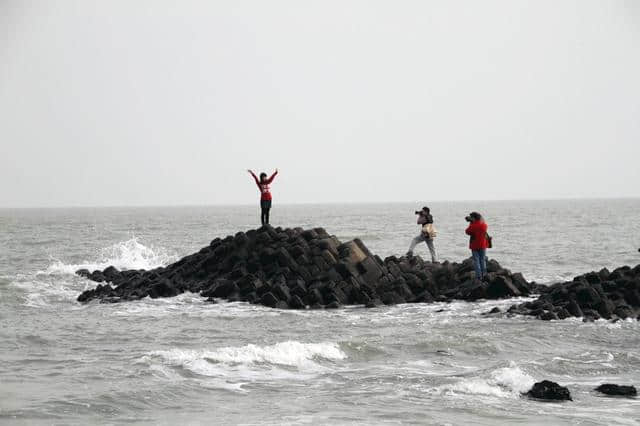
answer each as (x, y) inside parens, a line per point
(478, 232)
(264, 186)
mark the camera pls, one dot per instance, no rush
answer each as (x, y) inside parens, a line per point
(468, 218)
(417, 212)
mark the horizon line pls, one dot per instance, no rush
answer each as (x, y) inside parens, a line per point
(377, 202)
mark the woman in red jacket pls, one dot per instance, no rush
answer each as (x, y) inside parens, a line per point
(265, 195)
(478, 243)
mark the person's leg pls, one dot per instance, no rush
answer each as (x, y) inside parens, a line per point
(415, 242)
(432, 249)
(483, 262)
(263, 212)
(267, 208)
(476, 263)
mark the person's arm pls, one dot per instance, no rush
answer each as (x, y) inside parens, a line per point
(272, 176)
(469, 230)
(254, 177)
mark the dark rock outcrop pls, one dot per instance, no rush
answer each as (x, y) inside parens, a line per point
(610, 295)
(296, 268)
(550, 391)
(617, 390)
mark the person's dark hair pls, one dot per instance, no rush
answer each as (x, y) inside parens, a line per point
(263, 176)
(426, 209)
(473, 216)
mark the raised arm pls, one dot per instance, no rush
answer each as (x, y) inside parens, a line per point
(254, 177)
(272, 176)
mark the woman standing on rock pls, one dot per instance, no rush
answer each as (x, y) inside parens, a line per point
(478, 242)
(265, 195)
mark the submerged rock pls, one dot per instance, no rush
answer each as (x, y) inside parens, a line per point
(550, 391)
(617, 390)
(298, 269)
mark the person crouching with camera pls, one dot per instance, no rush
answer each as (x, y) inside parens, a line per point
(479, 241)
(427, 233)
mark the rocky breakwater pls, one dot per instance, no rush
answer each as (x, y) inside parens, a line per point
(298, 269)
(604, 294)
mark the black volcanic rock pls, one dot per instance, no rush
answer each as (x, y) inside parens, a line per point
(297, 269)
(617, 390)
(609, 295)
(550, 391)
(502, 287)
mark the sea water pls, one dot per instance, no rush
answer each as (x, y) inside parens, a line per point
(184, 361)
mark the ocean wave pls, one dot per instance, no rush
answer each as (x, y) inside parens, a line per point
(507, 382)
(588, 358)
(130, 254)
(289, 353)
(230, 368)
(39, 294)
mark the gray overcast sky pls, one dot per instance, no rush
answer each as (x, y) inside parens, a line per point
(162, 103)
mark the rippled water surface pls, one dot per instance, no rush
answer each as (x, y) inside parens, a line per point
(183, 361)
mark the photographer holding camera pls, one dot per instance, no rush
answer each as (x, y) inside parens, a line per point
(479, 241)
(427, 233)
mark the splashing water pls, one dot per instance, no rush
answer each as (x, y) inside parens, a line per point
(507, 382)
(130, 254)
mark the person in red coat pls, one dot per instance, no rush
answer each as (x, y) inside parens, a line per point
(478, 242)
(265, 194)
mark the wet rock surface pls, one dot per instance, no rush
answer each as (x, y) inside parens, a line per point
(297, 269)
(549, 391)
(617, 390)
(610, 295)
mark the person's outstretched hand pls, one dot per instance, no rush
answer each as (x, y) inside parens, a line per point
(276, 170)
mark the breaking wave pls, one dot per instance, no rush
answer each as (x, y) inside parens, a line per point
(130, 254)
(507, 382)
(231, 368)
(289, 353)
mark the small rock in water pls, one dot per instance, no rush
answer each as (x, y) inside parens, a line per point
(548, 390)
(83, 273)
(618, 390)
(494, 310)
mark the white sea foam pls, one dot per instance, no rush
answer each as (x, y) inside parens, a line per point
(191, 305)
(588, 358)
(230, 368)
(43, 293)
(289, 353)
(542, 278)
(130, 254)
(507, 382)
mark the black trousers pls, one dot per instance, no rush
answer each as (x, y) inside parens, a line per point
(265, 206)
